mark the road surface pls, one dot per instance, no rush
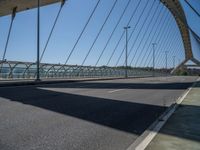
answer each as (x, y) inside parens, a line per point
(93, 115)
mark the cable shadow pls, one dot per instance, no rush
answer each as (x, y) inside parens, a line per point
(99, 85)
(125, 116)
(120, 115)
(184, 123)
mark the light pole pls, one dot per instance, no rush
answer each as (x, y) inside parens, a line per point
(166, 52)
(174, 57)
(154, 44)
(38, 41)
(126, 53)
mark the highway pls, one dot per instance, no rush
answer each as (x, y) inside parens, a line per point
(90, 115)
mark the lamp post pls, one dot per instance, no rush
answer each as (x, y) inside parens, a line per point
(38, 41)
(174, 61)
(126, 53)
(166, 52)
(154, 44)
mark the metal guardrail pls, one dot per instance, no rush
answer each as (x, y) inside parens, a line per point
(27, 70)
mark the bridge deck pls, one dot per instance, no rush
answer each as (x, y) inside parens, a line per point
(103, 115)
(6, 6)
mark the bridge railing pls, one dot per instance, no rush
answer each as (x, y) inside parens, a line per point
(27, 70)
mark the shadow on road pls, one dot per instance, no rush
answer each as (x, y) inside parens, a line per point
(99, 85)
(121, 115)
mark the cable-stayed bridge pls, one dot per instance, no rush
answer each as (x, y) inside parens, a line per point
(159, 26)
(98, 74)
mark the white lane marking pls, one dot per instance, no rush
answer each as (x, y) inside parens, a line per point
(82, 86)
(143, 140)
(115, 91)
(159, 125)
(87, 85)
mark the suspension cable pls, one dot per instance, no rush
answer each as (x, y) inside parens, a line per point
(168, 47)
(114, 50)
(155, 26)
(52, 29)
(175, 53)
(198, 14)
(166, 41)
(113, 32)
(151, 20)
(83, 30)
(163, 45)
(158, 36)
(9, 32)
(185, 23)
(134, 30)
(178, 45)
(160, 24)
(105, 21)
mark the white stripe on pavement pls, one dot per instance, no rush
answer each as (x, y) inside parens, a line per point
(115, 91)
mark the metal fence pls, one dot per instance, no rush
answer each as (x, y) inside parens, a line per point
(27, 70)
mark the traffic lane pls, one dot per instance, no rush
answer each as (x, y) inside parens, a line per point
(163, 96)
(71, 121)
(82, 84)
(134, 83)
(85, 122)
(150, 96)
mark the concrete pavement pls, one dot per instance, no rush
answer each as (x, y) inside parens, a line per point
(182, 130)
(102, 115)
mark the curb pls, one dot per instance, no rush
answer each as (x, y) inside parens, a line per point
(143, 140)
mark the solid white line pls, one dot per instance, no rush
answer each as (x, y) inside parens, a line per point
(115, 91)
(155, 131)
(143, 141)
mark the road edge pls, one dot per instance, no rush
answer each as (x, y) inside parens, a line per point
(147, 136)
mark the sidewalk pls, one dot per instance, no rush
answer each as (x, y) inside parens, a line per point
(182, 130)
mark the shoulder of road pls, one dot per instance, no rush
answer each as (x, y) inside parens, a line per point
(181, 131)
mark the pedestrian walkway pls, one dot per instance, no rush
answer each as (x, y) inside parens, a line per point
(182, 130)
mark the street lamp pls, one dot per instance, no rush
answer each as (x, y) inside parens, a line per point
(38, 41)
(174, 61)
(166, 52)
(154, 44)
(126, 53)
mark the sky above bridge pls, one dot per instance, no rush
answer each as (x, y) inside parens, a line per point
(156, 18)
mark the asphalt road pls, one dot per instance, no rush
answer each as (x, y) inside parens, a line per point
(95, 115)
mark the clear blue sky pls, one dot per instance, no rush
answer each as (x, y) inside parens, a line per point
(22, 45)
